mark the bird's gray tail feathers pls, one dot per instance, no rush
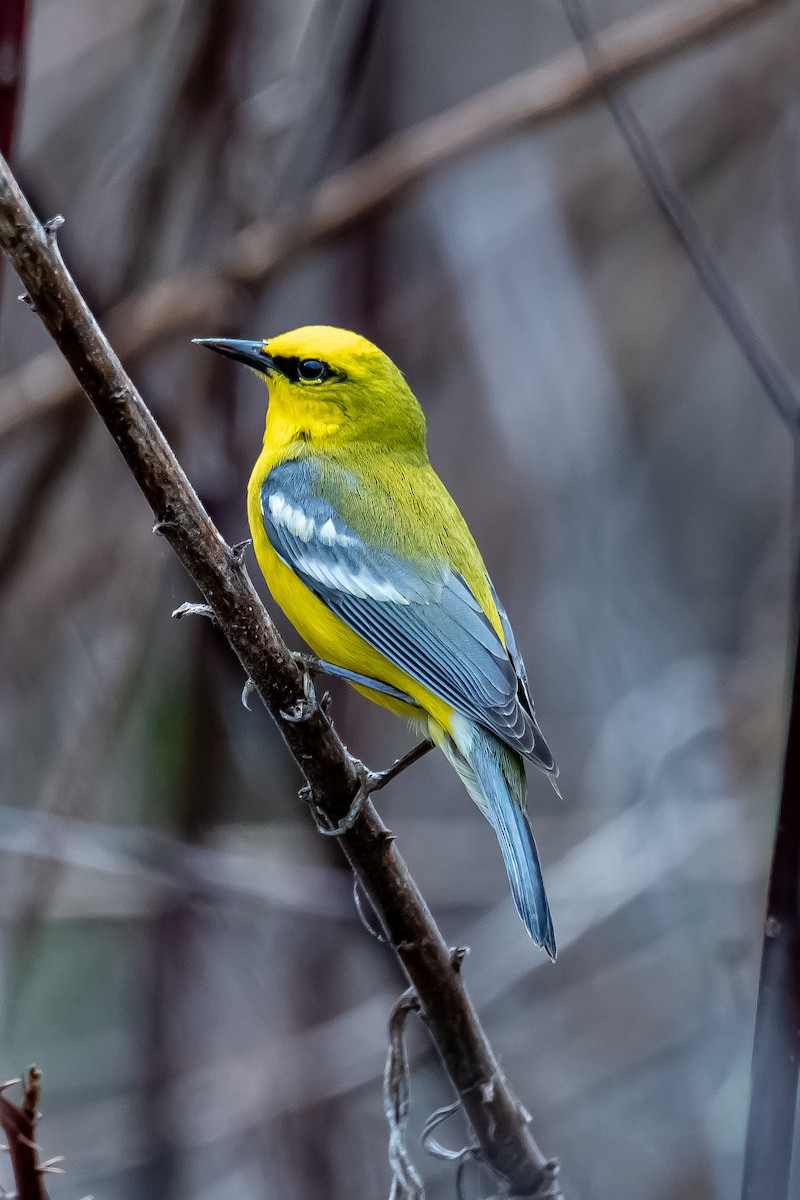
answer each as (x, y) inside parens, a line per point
(494, 776)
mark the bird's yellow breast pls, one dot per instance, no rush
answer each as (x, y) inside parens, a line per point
(327, 635)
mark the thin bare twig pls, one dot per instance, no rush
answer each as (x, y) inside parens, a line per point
(527, 101)
(500, 1124)
(682, 220)
(406, 1183)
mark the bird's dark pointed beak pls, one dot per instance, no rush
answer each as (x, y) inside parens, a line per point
(252, 354)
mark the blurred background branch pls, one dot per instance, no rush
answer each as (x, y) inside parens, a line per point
(776, 1040)
(179, 306)
(13, 18)
(664, 189)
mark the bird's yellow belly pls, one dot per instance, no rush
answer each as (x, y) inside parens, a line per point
(330, 638)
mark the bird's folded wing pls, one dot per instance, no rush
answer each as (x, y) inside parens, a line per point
(422, 616)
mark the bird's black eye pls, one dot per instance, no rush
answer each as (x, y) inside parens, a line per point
(312, 370)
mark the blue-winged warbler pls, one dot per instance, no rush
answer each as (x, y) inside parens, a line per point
(367, 554)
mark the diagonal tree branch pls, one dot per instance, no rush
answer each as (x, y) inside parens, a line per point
(529, 100)
(498, 1120)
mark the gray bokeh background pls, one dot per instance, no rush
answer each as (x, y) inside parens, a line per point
(180, 950)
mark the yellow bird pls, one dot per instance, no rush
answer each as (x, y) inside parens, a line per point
(367, 554)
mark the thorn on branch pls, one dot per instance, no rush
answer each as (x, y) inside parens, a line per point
(237, 553)
(457, 956)
(160, 527)
(50, 1165)
(50, 1170)
(247, 692)
(188, 609)
(26, 299)
(51, 229)
(772, 927)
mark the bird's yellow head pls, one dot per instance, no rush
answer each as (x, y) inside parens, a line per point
(331, 386)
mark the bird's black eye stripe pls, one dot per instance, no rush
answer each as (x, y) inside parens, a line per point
(302, 370)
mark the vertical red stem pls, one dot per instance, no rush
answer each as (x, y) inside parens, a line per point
(12, 49)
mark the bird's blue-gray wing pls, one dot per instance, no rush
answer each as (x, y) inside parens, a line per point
(420, 615)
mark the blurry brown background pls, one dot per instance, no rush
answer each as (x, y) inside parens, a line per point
(180, 950)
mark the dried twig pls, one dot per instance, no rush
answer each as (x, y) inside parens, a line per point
(686, 227)
(529, 100)
(500, 1124)
(406, 1183)
(18, 1122)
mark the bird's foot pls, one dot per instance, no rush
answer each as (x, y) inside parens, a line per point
(347, 822)
(310, 662)
(368, 782)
